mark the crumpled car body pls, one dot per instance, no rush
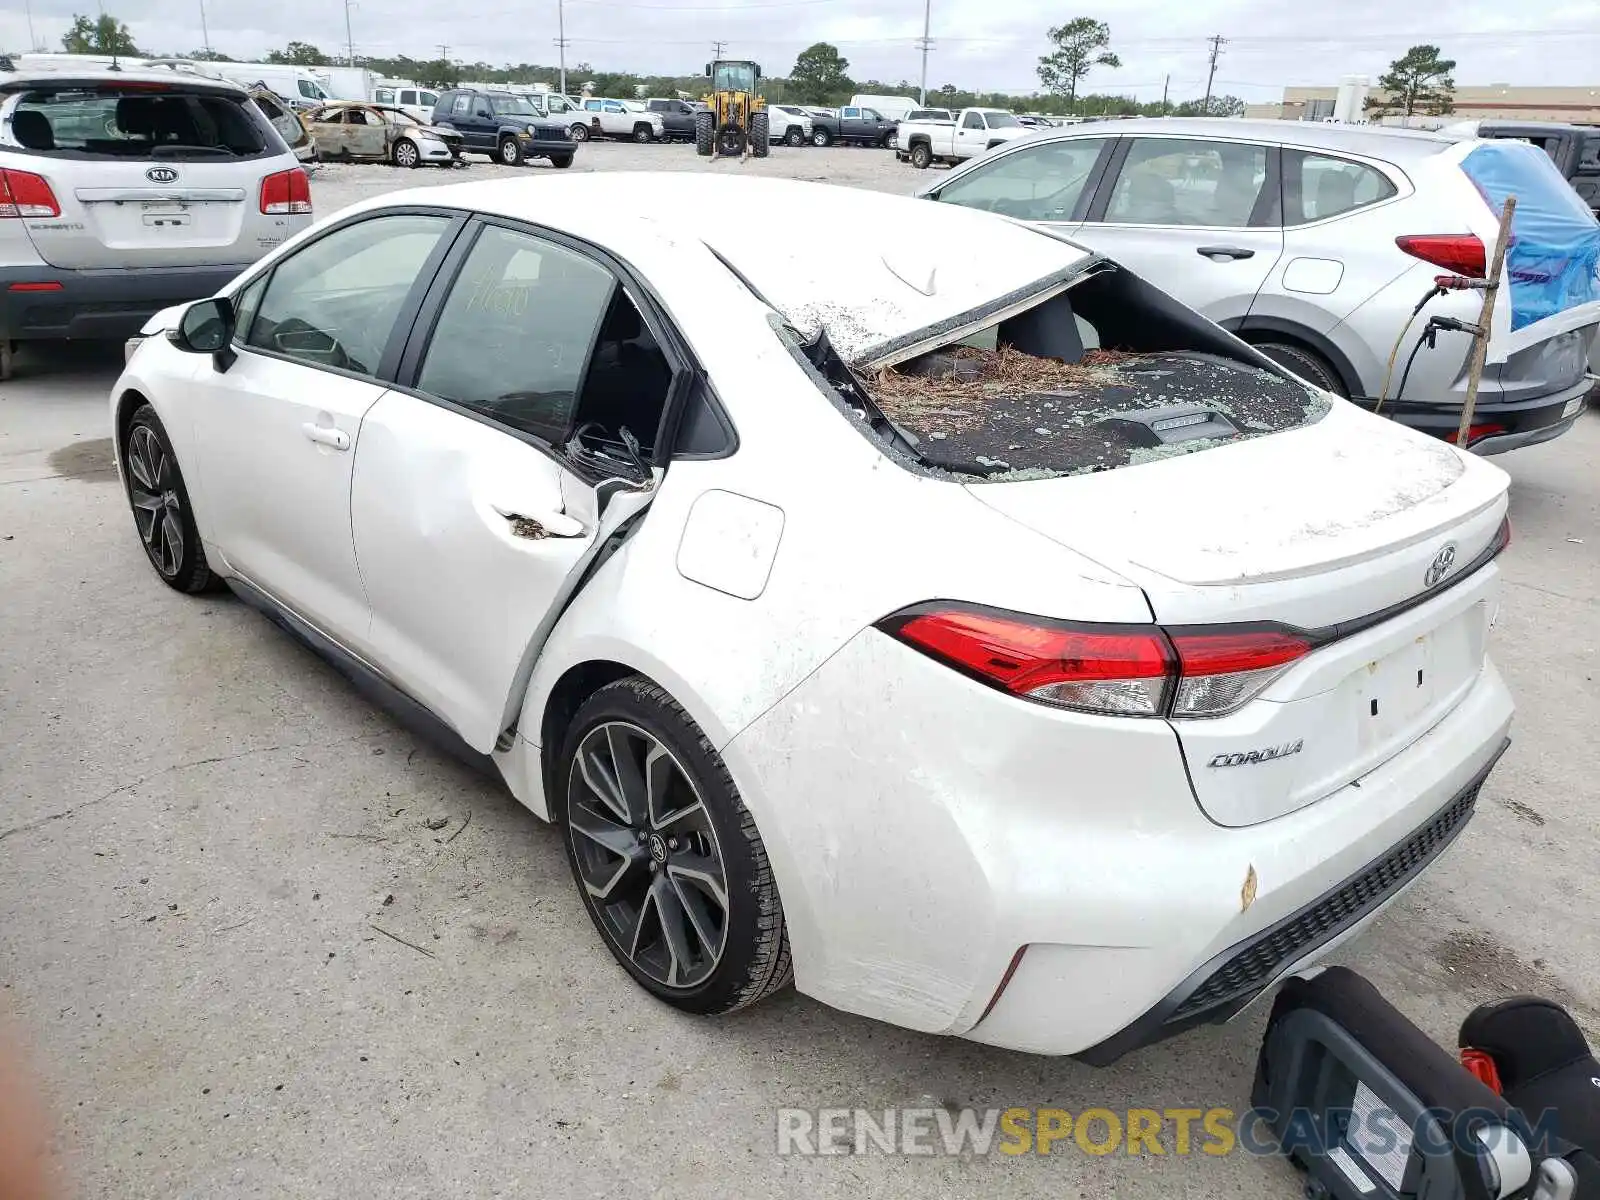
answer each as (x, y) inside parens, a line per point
(381, 133)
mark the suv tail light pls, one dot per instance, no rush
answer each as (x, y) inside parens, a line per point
(1460, 253)
(1121, 670)
(286, 192)
(24, 194)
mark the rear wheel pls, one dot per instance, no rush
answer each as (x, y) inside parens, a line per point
(794, 136)
(1307, 364)
(704, 134)
(405, 153)
(511, 152)
(760, 134)
(821, 137)
(580, 133)
(921, 156)
(161, 508)
(667, 858)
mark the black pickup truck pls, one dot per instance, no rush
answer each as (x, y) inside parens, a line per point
(677, 118)
(1575, 150)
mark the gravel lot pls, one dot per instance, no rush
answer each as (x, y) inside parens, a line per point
(244, 966)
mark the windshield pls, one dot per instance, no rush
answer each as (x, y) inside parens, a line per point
(150, 122)
(1002, 120)
(733, 77)
(396, 116)
(507, 105)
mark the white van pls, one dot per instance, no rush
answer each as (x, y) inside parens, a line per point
(299, 86)
(894, 108)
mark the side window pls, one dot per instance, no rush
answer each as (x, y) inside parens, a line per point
(613, 107)
(428, 99)
(310, 90)
(334, 303)
(585, 353)
(1165, 181)
(591, 106)
(245, 305)
(872, 114)
(1589, 156)
(1040, 183)
(1330, 186)
(383, 96)
(972, 121)
(409, 96)
(461, 105)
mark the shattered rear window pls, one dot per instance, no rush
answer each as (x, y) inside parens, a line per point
(1110, 373)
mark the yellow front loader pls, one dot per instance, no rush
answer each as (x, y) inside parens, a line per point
(736, 124)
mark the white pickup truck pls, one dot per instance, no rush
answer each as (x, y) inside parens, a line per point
(605, 117)
(973, 131)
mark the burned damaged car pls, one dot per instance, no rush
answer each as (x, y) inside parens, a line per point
(966, 631)
(381, 133)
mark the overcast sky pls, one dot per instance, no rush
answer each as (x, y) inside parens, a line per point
(1272, 42)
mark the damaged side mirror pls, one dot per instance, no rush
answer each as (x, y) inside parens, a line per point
(206, 327)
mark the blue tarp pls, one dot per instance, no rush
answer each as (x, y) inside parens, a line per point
(1553, 261)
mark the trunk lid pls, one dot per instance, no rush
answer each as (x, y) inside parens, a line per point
(1325, 528)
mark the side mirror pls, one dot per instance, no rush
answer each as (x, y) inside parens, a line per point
(708, 70)
(206, 326)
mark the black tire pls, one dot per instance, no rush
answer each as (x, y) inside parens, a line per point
(760, 134)
(629, 722)
(821, 137)
(510, 152)
(887, 143)
(794, 136)
(921, 156)
(1307, 364)
(580, 132)
(643, 133)
(406, 154)
(561, 161)
(162, 512)
(705, 134)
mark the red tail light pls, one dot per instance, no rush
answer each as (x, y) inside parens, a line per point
(24, 194)
(1460, 253)
(1474, 432)
(286, 192)
(1126, 670)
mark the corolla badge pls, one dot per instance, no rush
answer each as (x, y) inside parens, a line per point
(161, 175)
(1249, 758)
(1441, 565)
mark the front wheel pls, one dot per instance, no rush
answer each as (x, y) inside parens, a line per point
(666, 857)
(405, 154)
(794, 137)
(921, 157)
(643, 133)
(511, 152)
(704, 134)
(888, 141)
(821, 137)
(561, 161)
(580, 133)
(760, 135)
(161, 509)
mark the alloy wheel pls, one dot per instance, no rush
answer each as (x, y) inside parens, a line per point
(152, 487)
(647, 854)
(405, 155)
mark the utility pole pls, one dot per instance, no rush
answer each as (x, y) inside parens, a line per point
(561, 40)
(1165, 84)
(205, 36)
(1217, 42)
(33, 42)
(349, 40)
(717, 50)
(926, 44)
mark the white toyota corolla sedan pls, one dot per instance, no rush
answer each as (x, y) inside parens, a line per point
(967, 630)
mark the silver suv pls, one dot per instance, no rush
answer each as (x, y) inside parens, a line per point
(1313, 242)
(122, 193)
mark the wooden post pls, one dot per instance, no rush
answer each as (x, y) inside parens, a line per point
(1480, 344)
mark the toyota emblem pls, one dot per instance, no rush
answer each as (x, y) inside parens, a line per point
(1441, 564)
(161, 174)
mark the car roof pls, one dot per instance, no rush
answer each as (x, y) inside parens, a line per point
(1376, 141)
(848, 282)
(23, 80)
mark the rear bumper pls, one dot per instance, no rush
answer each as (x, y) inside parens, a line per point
(922, 840)
(98, 304)
(1499, 425)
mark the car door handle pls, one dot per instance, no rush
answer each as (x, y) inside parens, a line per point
(1225, 252)
(326, 435)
